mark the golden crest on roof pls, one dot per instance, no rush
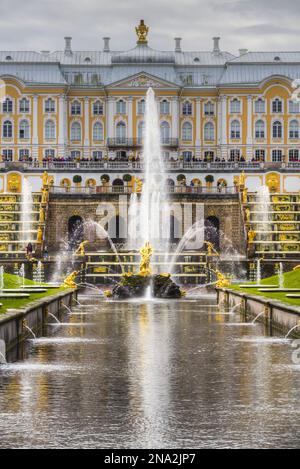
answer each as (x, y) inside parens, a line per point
(142, 32)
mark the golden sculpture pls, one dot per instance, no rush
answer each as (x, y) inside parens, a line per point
(222, 281)
(45, 179)
(146, 253)
(44, 196)
(81, 248)
(39, 238)
(14, 183)
(251, 236)
(245, 196)
(69, 280)
(107, 293)
(42, 215)
(211, 251)
(142, 32)
(248, 214)
(242, 180)
(273, 182)
(137, 185)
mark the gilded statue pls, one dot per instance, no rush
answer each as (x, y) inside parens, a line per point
(80, 251)
(14, 183)
(39, 238)
(222, 281)
(211, 251)
(251, 236)
(137, 185)
(45, 179)
(248, 214)
(42, 215)
(44, 196)
(242, 180)
(142, 32)
(69, 280)
(245, 196)
(146, 253)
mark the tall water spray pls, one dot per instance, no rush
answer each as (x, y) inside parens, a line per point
(26, 211)
(149, 219)
(263, 215)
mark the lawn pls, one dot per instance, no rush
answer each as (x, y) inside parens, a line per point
(13, 281)
(291, 280)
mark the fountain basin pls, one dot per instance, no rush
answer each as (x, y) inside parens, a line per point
(136, 286)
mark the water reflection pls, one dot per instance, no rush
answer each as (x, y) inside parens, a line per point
(151, 375)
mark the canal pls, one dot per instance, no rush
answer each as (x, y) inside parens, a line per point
(151, 375)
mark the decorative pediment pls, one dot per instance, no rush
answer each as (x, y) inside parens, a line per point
(143, 80)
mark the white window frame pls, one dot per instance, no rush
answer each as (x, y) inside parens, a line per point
(209, 132)
(78, 126)
(27, 108)
(99, 129)
(26, 135)
(51, 109)
(52, 135)
(76, 108)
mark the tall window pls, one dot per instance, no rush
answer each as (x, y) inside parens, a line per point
(260, 155)
(141, 107)
(235, 106)
(75, 154)
(75, 108)
(7, 129)
(294, 107)
(24, 154)
(294, 129)
(24, 132)
(294, 156)
(277, 156)
(209, 131)
(165, 132)
(260, 106)
(97, 155)
(98, 131)
(7, 154)
(49, 153)
(235, 129)
(98, 108)
(164, 107)
(277, 106)
(24, 106)
(49, 105)
(7, 106)
(49, 130)
(209, 109)
(75, 131)
(121, 107)
(187, 108)
(187, 156)
(141, 131)
(259, 129)
(187, 132)
(121, 132)
(277, 130)
(235, 155)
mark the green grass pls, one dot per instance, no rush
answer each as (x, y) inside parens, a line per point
(291, 280)
(13, 281)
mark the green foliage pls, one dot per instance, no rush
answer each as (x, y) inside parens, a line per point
(209, 178)
(291, 280)
(105, 178)
(127, 177)
(77, 179)
(181, 178)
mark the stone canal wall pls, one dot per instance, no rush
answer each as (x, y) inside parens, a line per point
(15, 324)
(277, 315)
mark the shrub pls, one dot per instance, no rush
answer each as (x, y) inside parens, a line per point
(77, 179)
(105, 178)
(209, 178)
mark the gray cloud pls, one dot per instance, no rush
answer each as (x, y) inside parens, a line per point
(255, 24)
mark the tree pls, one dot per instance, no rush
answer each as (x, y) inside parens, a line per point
(77, 179)
(105, 178)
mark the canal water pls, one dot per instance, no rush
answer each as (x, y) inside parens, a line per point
(151, 375)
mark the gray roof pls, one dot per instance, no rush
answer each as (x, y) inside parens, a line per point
(255, 73)
(34, 73)
(268, 57)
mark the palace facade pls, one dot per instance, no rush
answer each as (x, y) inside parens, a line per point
(83, 113)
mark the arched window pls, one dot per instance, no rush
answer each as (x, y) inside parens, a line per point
(98, 131)
(141, 107)
(7, 129)
(7, 106)
(294, 129)
(235, 129)
(164, 107)
(98, 108)
(49, 130)
(209, 109)
(121, 107)
(187, 108)
(259, 129)
(141, 131)
(24, 106)
(49, 105)
(75, 131)
(121, 132)
(165, 132)
(187, 131)
(277, 105)
(75, 108)
(235, 106)
(277, 130)
(24, 132)
(209, 131)
(260, 106)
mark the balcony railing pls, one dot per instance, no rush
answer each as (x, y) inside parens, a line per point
(138, 142)
(119, 189)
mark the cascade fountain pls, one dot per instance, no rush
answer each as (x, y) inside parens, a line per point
(22, 274)
(1, 278)
(263, 210)
(26, 211)
(281, 276)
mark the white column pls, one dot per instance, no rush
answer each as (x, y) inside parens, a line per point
(86, 127)
(219, 125)
(110, 117)
(198, 122)
(129, 115)
(224, 126)
(175, 117)
(35, 138)
(249, 128)
(62, 125)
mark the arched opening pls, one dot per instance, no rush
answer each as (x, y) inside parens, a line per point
(75, 231)
(212, 231)
(121, 156)
(170, 185)
(118, 186)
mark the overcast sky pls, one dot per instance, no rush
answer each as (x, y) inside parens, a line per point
(253, 24)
